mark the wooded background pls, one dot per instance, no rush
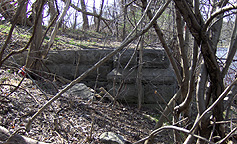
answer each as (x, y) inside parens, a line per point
(192, 33)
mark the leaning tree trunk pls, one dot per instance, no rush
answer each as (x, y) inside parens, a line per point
(35, 51)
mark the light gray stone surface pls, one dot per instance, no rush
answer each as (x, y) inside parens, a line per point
(80, 90)
(112, 138)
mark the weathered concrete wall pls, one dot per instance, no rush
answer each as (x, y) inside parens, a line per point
(118, 74)
(69, 63)
(157, 75)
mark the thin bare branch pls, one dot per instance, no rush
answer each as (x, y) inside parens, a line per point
(55, 30)
(168, 109)
(16, 87)
(87, 13)
(21, 89)
(18, 12)
(218, 12)
(45, 33)
(227, 136)
(218, 100)
(167, 49)
(182, 50)
(232, 49)
(191, 19)
(157, 131)
(29, 42)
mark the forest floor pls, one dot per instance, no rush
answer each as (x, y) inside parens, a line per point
(68, 119)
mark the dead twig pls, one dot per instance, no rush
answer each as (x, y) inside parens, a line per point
(157, 131)
(106, 94)
(91, 130)
(227, 136)
(167, 109)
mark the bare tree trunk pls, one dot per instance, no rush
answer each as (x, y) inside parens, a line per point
(201, 101)
(230, 55)
(75, 18)
(86, 12)
(139, 74)
(124, 6)
(215, 31)
(84, 16)
(55, 30)
(52, 10)
(115, 13)
(184, 61)
(22, 20)
(234, 34)
(35, 51)
(100, 14)
(95, 13)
